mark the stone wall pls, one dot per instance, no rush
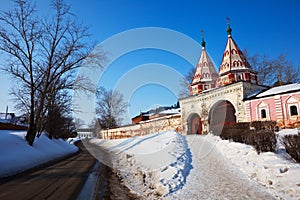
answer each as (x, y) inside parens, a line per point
(203, 103)
(171, 122)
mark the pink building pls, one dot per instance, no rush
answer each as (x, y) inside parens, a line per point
(279, 104)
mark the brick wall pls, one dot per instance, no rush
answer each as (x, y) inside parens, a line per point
(171, 122)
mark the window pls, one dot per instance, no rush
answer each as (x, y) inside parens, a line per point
(263, 114)
(240, 77)
(293, 110)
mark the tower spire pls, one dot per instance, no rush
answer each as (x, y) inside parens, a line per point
(228, 30)
(234, 66)
(203, 43)
(205, 75)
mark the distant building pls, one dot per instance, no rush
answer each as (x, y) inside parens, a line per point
(141, 117)
(160, 111)
(6, 117)
(84, 133)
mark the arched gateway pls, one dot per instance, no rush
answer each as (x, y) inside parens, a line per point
(224, 104)
(217, 99)
(222, 113)
(194, 124)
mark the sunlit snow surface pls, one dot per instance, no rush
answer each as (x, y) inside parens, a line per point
(17, 156)
(169, 165)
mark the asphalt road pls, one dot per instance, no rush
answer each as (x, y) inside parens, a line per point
(62, 180)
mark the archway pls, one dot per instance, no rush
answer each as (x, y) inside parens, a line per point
(222, 114)
(194, 124)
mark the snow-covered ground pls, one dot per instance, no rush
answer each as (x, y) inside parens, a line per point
(172, 166)
(17, 156)
(280, 176)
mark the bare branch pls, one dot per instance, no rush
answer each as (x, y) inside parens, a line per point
(44, 55)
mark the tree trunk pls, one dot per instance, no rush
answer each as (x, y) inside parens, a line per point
(31, 132)
(50, 123)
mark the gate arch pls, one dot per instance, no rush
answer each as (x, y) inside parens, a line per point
(222, 113)
(194, 124)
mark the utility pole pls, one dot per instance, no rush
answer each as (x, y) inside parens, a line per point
(6, 112)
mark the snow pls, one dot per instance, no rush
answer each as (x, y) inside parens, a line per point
(280, 136)
(171, 111)
(215, 177)
(281, 177)
(153, 165)
(254, 93)
(17, 156)
(280, 89)
(169, 165)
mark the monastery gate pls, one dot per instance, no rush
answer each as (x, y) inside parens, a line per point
(217, 98)
(222, 105)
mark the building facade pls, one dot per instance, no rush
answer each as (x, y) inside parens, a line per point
(218, 98)
(223, 105)
(234, 95)
(280, 104)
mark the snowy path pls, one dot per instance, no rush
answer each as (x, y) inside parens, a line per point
(214, 177)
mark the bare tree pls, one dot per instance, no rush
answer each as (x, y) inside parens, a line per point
(110, 108)
(42, 53)
(185, 83)
(58, 118)
(273, 71)
(96, 128)
(79, 123)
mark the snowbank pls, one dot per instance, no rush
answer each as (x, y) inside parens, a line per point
(17, 156)
(280, 176)
(151, 166)
(159, 166)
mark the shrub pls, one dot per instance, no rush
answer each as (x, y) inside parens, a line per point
(241, 125)
(261, 125)
(235, 133)
(292, 146)
(263, 140)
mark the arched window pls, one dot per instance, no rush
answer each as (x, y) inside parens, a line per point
(293, 110)
(233, 51)
(263, 111)
(263, 114)
(234, 63)
(240, 76)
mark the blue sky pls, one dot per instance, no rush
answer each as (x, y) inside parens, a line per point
(264, 27)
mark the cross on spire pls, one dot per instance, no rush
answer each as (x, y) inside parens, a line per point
(228, 30)
(228, 20)
(203, 42)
